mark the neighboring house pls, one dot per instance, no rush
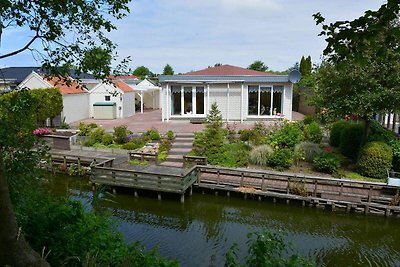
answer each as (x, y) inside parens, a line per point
(116, 94)
(11, 77)
(75, 97)
(148, 95)
(241, 94)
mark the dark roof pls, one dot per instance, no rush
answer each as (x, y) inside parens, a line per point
(18, 74)
(227, 70)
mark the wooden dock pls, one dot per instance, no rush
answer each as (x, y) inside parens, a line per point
(349, 195)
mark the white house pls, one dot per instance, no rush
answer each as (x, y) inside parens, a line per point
(75, 97)
(241, 94)
(116, 93)
(148, 94)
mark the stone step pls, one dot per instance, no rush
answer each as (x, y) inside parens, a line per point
(183, 140)
(179, 151)
(190, 135)
(181, 145)
(174, 158)
(172, 164)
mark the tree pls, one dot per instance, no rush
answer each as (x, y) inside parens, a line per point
(72, 33)
(258, 65)
(359, 75)
(305, 66)
(49, 104)
(168, 70)
(142, 72)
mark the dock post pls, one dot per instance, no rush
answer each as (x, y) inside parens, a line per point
(366, 208)
(245, 196)
(387, 212)
(228, 194)
(262, 182)
(93, 186)
(274, 200)
(259, 198)
(135, 193)
(303, 203)
(288, 186)
(315, 188)
(216, 193)
(287, 201)
(348, 207)
(114, 191)
(241, 179)
(191, 190)
(333, 206)
(218, 177)
(159, 196)
(65, 161)
(79, 164)
(183, 198)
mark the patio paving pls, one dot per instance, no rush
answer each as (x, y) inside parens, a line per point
(141, 122)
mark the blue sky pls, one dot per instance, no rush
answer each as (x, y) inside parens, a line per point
(193, 34)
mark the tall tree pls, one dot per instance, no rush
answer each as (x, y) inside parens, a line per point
(305, 66)
(168, 70)
(72, 33)
(258, 65)
(360, 75)
(142, 72)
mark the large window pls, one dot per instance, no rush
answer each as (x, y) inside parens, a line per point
(264, 100)
(187, 100)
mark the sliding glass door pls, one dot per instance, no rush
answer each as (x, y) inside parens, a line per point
(187, 100)
(264, 100)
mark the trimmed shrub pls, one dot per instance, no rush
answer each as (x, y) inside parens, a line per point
(259, 155)
(107, 139)
(327, 163)
(234, 155)
(378, 133)
(84, 129)
(97, 135)
(170, 135)
(134, 144)
(313, 132)
(307, 150)
(375, 159)
(281, 159)
(245, 134)
(121, 134)
(350, 139)
(286, 137)
(336, 132)
(152, 134)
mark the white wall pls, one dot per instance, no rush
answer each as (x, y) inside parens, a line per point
(75, 107)
(287, 101)
(128, 104)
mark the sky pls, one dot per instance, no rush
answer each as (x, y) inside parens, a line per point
(193, 34)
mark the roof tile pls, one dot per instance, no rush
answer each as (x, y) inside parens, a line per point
(227, 70)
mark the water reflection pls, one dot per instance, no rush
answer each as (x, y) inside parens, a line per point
(200, 231)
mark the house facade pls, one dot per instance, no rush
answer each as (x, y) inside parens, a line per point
(241, 94)
(75, 97)
(116, 92)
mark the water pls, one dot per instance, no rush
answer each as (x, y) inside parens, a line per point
(200, 231)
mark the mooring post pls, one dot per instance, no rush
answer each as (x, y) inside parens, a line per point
(315, 188)
(288, 186)
(93, 186)
(370, 194)
(135, 193)
(274, 200)
(79, 164)
(241, 179)
(191, 190)
(348, 207)
(114, 190)
(259, 198)
(341, 189)
(228, 194)
(262, 182)
(65, 161)
(159, 196)
(217, 176)
(216, 193)
(183, 198)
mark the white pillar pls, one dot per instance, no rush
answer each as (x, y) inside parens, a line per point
(241, 103)
(227, 105)
(168, 105)
(141, 102)
(208, 98)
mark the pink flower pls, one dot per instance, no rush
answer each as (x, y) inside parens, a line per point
(41, 131)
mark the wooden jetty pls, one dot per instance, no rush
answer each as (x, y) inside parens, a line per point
(349, 195)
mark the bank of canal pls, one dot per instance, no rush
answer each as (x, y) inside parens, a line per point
(200, 231)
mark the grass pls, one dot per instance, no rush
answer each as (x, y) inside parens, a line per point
(355, 176)
(99, 145)
(138, 162)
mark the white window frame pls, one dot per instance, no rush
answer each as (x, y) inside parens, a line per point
(271, 86)
(193, 114)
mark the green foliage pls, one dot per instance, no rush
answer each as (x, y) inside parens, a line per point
(259, 155)
(267, 249)
(281, 159)
(152, 134)
(308, 119)
(326, 162)
(134, 144)
(336, 132)
(121, 134)
(313, 132)
(350, 139)
(49, 103)
(380, 133)
(72, 235)
(305, 66)
(168, 70)
(165, 145)
(85, 129)
(235, 155)
(142, 72)
(107, 139)
(214, 117)
(287, 136)
(170, 135)
(258, 65)
(97, 135)
(375, 159)
(395, 145)
(162, 155)
(307, 150)
(138, 162)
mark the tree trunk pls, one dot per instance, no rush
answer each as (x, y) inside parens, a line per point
(367, 125)
(14, 250)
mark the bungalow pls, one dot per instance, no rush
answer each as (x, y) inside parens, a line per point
(115, 99)
(148, 94)
(75, 97)
(241, 94)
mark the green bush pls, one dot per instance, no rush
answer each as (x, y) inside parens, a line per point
(134, 144)
(97, 135)
(107, 139)
(165, 145)
(327, 163)
(375, 159)
(313, 132)
(307, 151)
(281, 159)
(350, 139)
(162, 155)
(308, 120)
(235, 155)
(152, 134)
(336, 132)
(259, 155)
(170, 135)
(84, 129)
(245, 134)
(379, 133)
(395, 145)
(287, 136)
(121, 134)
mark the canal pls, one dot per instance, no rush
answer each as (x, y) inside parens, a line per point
(200, 231)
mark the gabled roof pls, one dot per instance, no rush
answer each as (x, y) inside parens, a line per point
(131, 77)
(60, 84)
(123, 86)
(17, 74)
(227, 70)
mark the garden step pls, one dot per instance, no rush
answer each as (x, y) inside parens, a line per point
(182, 145)
(185, 135)
(179, 151)
(183, 140)
(175, 158)
(172, 164)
